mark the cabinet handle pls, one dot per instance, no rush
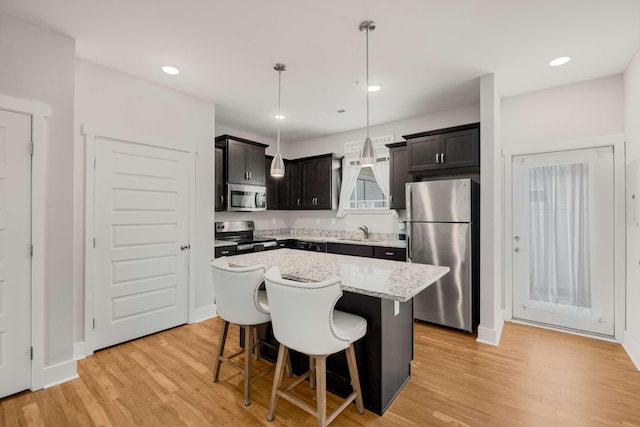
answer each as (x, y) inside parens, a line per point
(437, 159)
(221, 199)
(298, 201)
(250, 175)
(441, 157)
(390, 198)
(224, 252)
(389, 253)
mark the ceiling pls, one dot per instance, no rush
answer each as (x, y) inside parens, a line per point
(428, 55)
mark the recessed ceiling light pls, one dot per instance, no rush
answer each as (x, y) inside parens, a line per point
(374, 88)
(172, 71)
(279, 117)
(559, 61)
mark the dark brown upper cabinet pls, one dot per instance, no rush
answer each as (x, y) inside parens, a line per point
(219, 192)
(245, 160)
(310, 183)
(398, 174)
(273, 186)
(320, 181)
(444, 151)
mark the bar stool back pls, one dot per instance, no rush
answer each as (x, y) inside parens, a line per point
(239, 301)
(304, 319)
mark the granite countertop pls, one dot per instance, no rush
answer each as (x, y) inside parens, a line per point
(393, 280)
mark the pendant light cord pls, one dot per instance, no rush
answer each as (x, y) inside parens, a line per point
(367, 88)
(279, 115)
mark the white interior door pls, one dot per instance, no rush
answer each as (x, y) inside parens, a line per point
(563, 239)
(15, 258)
(141, 233)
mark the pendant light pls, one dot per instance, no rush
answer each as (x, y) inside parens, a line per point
(368, 154)
(277, 164)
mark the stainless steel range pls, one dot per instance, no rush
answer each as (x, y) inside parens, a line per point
(241, 233)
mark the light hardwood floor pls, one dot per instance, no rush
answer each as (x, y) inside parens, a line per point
(534, 378)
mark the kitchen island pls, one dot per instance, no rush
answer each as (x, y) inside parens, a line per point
(380, 291)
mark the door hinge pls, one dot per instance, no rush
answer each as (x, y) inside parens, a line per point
(31, 353)
(94, 242)
(31, 250)
(31, 148)
(94, 323)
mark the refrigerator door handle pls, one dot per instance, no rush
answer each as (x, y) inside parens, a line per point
(407, 187)
(409, 242)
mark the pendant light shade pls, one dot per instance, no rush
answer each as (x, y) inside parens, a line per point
(368, 154)
(277, 164)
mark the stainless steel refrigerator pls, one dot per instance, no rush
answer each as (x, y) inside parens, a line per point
(443, 223)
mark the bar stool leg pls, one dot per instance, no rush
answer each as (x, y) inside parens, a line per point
(283, 354)
(256, 343)
(247, 364)
(321, 389)
(355, 378)
(221, 342)
(312, 373)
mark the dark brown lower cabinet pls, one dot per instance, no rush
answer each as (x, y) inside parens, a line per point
(384, 354)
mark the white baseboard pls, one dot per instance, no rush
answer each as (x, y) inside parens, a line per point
(202, 313)
(79, 351)
(60, 373)
(632, 347)
(490, 336)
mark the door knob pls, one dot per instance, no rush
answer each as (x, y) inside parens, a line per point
(517, 249)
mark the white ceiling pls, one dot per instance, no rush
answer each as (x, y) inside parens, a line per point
(427, 54)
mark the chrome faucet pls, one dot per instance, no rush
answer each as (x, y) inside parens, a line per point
(365, 230)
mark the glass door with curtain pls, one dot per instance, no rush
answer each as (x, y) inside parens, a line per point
(563, 239)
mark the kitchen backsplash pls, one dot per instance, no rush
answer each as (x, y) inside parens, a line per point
(303, 232)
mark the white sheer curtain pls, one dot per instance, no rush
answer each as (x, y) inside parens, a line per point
(381, 173)
(350, 174)
(559, 235)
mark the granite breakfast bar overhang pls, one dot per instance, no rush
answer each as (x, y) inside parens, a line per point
(381, 291)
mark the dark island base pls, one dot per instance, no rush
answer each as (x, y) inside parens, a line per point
(384, 354)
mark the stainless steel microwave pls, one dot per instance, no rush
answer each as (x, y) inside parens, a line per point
(246, 197)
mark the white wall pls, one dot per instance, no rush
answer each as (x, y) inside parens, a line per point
(326, 220)
(38, 64)
(632, 132)
(564, 114)
(116, 104)
(335, 143)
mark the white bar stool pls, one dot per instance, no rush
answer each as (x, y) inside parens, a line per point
(304, 319)
(239, 301)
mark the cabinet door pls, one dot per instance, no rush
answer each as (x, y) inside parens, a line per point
(273, 186)
(348, 249)
(236, 168)
(309, 183)
(398, 176)
(254, 163)
(424, 153)
(460, 149)
(323, 183)
(284, 188)
(295, 186)
(384, 252)
(219, 180)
